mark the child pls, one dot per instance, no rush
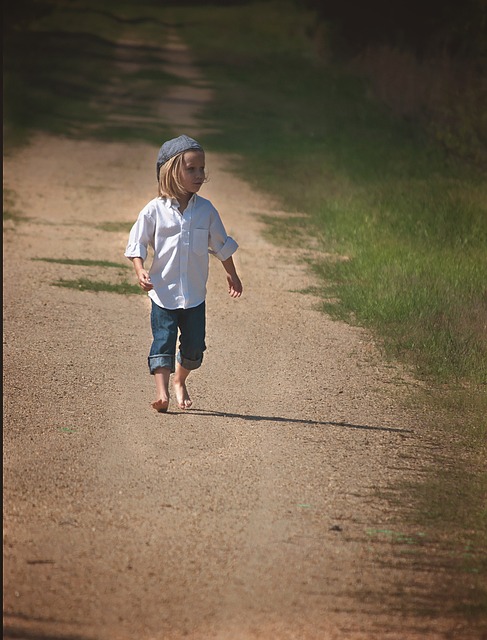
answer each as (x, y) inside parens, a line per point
(182, 228)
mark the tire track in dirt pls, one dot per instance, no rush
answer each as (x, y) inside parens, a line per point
(245, 518)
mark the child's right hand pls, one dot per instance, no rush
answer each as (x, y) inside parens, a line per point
(144, 280)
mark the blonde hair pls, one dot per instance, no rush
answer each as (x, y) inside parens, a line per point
(169, 182)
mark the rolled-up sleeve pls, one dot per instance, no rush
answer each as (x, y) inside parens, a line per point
(141, 236)
(221, 245)
(227, 250)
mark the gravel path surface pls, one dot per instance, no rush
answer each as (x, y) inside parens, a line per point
(251, 515)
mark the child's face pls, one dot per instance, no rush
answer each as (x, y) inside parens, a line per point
(193, 171)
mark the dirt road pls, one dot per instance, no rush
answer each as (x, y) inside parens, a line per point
(255, 515)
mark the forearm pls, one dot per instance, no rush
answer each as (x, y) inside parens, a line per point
(138, 264)
(229, 266)
(234, 285)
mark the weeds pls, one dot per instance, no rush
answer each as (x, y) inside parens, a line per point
(83, 262)
(447, 95)
(115, 227)
(10, 211)
(84, 284)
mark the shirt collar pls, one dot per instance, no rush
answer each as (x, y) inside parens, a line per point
(174, 203)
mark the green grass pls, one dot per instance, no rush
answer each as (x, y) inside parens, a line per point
(84, 284)
(10, 210)
(115, 227)
(428, 309)
(87, 284)
(83, 262)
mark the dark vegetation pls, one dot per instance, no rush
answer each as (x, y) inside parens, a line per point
(425, 60)
(424, 26)
(62, 74)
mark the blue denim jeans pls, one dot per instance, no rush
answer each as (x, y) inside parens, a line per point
(165, 324)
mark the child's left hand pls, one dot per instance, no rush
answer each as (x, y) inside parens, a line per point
(234, 286)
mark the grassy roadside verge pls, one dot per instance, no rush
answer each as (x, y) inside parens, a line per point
(411, 224)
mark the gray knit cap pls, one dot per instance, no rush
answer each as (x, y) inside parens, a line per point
(174, 147)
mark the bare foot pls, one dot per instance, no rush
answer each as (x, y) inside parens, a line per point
(182, 395)
(160, 405)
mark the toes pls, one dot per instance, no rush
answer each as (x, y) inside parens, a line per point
(184, 401)
(161, 405)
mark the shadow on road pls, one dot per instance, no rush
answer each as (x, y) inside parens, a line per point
(21, 627)
(318, 423)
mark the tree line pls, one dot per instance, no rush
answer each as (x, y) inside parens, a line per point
(424, 26)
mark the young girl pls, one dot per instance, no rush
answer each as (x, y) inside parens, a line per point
(182, 228)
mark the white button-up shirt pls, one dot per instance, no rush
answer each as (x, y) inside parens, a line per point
(181, 244)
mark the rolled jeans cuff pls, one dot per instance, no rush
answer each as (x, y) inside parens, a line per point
(156, 362)
(189, 364)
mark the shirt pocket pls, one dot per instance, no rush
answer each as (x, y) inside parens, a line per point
(200, 241)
